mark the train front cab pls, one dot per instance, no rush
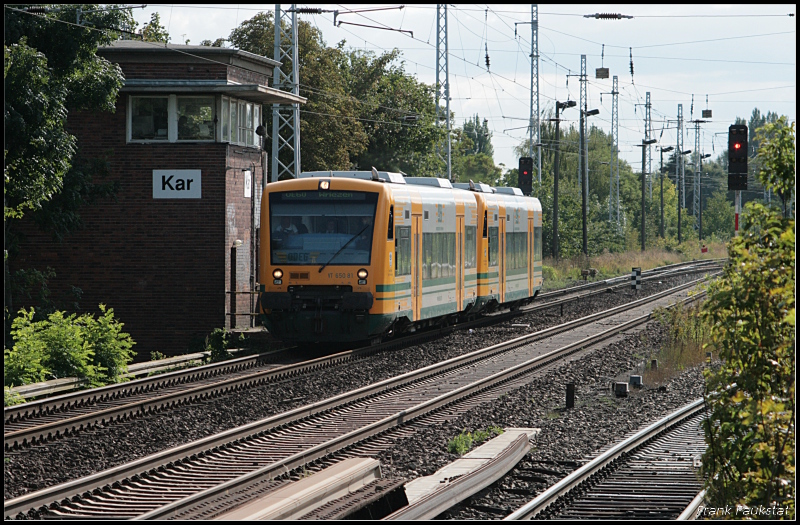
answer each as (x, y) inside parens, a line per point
(324, 246)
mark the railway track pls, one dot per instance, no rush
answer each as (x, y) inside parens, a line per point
(653, 474)
(200, 479)
(49, 419)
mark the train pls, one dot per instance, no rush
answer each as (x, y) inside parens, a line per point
(352, 256)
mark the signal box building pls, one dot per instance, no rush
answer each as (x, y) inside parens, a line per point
(183, 148)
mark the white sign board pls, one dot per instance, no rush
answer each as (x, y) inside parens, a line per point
(248, 184)
(176, 184)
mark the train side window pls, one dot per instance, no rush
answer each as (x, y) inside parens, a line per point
(537, 243)
(391, 222)
(402, 243)
(485, 222)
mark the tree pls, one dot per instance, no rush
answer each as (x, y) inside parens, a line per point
(777, 158)
(396, 111)
(154, 31)
(751, 397)
(718, 216)
(330, 132)
(51, 67)
(480, 135)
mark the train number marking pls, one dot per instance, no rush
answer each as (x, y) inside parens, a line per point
(340, 275)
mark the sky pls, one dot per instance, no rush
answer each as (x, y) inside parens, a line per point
(726, 58)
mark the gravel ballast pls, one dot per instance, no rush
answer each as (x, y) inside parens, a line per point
(102, 448)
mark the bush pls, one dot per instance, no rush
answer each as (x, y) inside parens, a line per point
(23, 364)
(548, 273)
(11, 398)
(217, 343)
(95, 350)
(112, 347)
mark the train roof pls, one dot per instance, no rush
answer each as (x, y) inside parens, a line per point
(429, 181)
(384, 176)
(473, 186)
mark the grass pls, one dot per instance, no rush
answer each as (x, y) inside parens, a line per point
(559, 273)
(687, 334)
(462, 443)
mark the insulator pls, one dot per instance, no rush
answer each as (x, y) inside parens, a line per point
(37, 9)
(609, 16)
(309, 11)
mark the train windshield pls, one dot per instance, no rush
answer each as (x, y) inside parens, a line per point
(318, 227)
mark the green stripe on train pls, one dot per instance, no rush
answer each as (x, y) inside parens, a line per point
(392, 287)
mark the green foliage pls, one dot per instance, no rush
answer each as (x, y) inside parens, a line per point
(157, 356)
(154, 31)
(50, 66)
(112, 347)
(751, 429)
(24, 363)
(11, 398)
(463, 442)
(479, 136)
(718, 217)
(38, 149)
(217, 343)
(777, 158)
(92, 349)
(460, 444)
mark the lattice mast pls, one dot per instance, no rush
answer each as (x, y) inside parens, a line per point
(443, 87)
(613, 198)
(648, 134)
(286, 117)
(535, 117)
(679, 161)
(697, 161)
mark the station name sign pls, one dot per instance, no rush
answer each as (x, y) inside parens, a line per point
(177, 184)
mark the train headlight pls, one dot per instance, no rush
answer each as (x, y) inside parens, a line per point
(324, 184)
(277, 273)
(362, 273)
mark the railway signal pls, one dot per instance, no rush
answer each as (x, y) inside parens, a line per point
(737, 157)
(526, 175)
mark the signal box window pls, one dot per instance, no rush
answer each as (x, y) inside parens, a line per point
(149, 118)
(196, 118)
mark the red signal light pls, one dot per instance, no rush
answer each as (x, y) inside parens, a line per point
(737, 145)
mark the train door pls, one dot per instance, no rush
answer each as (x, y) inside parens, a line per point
(416, 278)
(501, 255)
(530, 255)
(459, 263)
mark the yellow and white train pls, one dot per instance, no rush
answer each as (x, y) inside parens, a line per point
(356, 255)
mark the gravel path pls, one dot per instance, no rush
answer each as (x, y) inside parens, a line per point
(102, 448)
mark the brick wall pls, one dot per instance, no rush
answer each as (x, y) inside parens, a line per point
(163, 265)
